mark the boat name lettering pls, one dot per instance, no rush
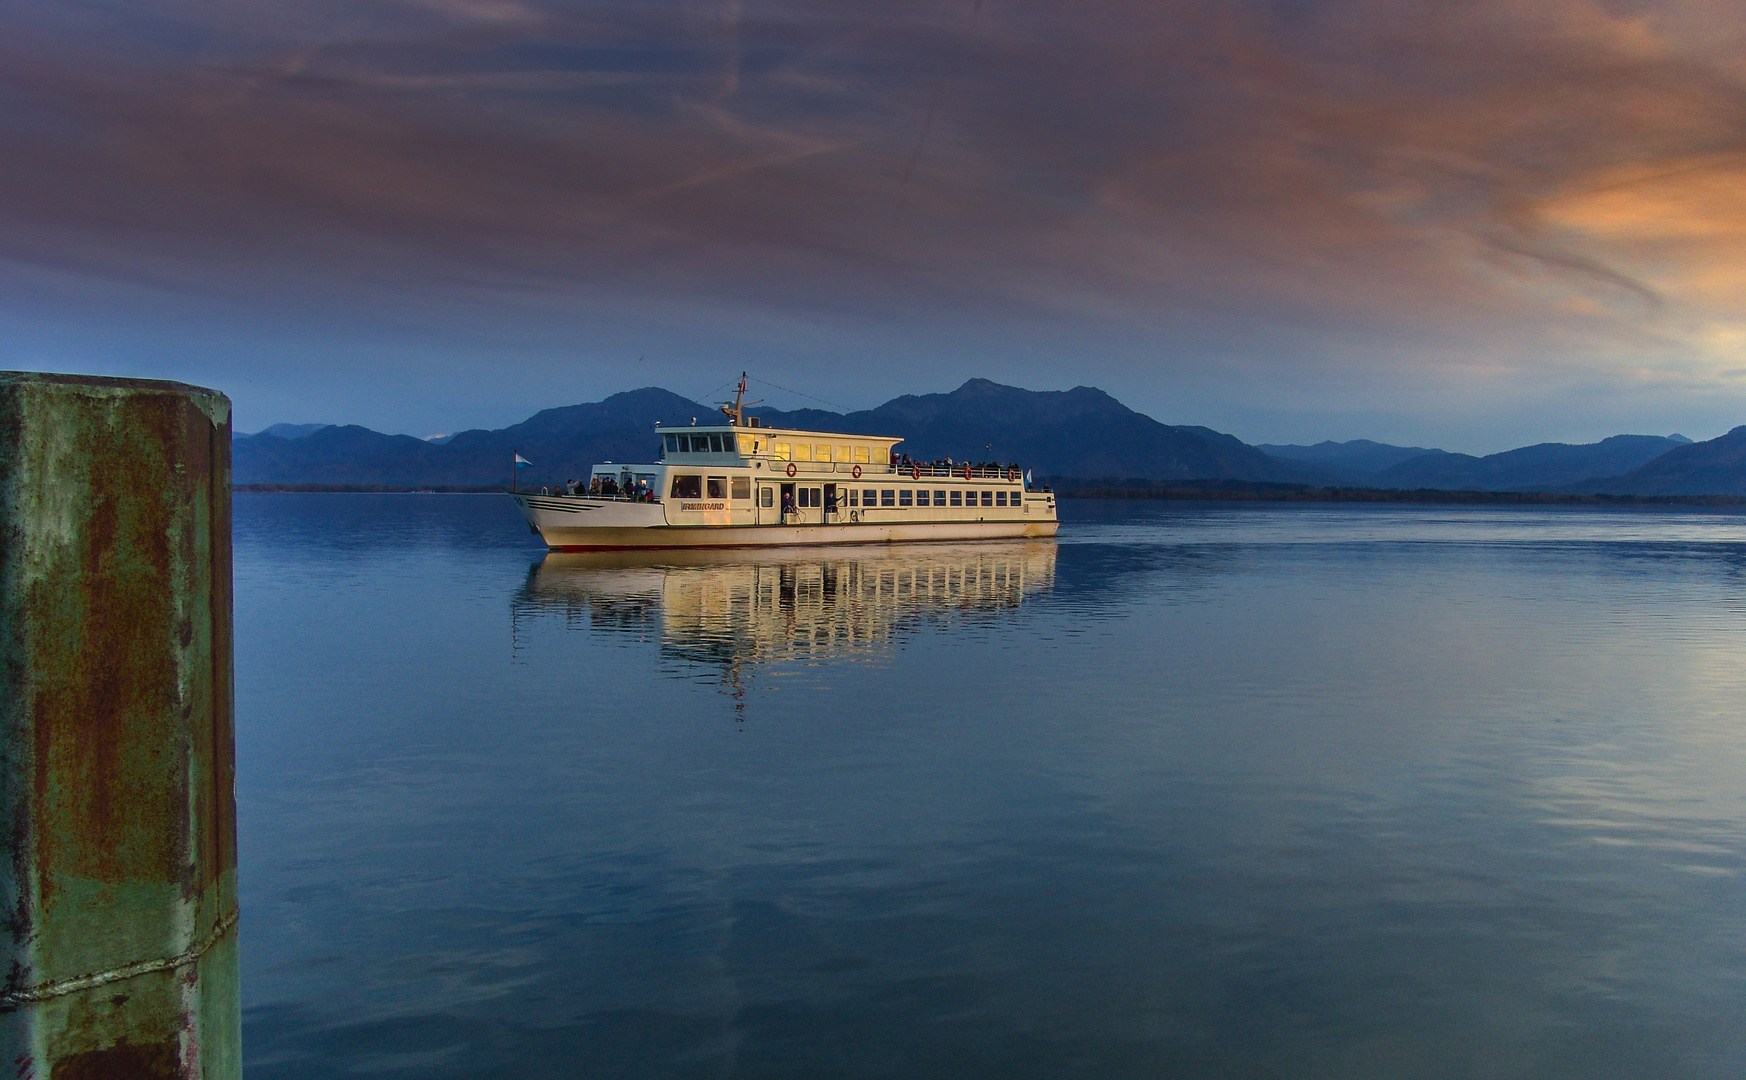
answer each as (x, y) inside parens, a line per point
(703, 506)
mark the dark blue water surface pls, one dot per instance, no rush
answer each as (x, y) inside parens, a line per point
(1195, 791)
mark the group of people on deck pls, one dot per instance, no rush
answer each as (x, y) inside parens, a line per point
(608, 487)
(902, 461)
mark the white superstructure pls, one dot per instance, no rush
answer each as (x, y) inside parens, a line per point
(735, 483)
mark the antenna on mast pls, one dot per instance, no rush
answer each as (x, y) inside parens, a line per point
(734, 408)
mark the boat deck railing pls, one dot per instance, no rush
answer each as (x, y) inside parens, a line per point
(959, 471)
(913, 470)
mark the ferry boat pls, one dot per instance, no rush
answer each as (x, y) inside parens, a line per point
(737, 483)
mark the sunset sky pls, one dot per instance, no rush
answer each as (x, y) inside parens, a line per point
(1472, 225)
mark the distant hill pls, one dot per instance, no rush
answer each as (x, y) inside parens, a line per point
(1544, 467)
(292, 431)
(1357, 461)
(562, 443)
(1080, 432)
(1716, 467)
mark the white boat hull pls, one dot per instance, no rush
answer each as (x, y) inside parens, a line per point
(581, 524)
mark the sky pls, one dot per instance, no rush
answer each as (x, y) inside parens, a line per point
(1468, 225)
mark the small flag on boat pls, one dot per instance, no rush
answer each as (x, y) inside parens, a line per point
(521, 462)
(1027, 479)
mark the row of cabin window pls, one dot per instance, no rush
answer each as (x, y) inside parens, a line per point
(692, 486)
(811, 496)
(954, 497)
(748, 445)
(711, 444)
(859, 455)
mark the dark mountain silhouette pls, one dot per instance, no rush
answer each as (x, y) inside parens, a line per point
(1357, 461)
(562, 443)
(1543, 467)
(1081, 432)
(292, 431)
(1716, 467)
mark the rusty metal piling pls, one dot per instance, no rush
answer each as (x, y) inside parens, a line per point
(118, 886)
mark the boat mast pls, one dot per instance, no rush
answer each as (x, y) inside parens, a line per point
(739, 403)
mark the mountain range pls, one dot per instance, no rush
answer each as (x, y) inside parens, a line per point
(1070, 436)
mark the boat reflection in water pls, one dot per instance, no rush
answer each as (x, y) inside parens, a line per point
(735, 610)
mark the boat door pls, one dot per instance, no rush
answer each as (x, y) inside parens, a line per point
(831, 508)
(786, 508)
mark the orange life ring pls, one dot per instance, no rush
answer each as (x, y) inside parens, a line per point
(966, 470)
(855, 472)
(915, 470)
(792, 468)
(1012, 474)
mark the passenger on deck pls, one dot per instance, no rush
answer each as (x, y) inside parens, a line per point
(787, 503)
(831, 500)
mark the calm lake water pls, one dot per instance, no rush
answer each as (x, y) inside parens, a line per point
(1195, 791)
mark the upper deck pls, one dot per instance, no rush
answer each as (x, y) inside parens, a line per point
(810, 451)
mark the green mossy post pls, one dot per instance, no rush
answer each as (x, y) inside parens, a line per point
(118, 889)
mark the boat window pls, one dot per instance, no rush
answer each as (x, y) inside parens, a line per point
(742, 487)
(842, 453)
(904, 497)
(747, 445)
(672, 444)
(860, 455)
(802, 451)
(957, 498)
(715, 444)
(869, 498)
(854, 497)
(687, 486)
(888, 497)
(988, 498)
(1000, 498)
(766, 496)
(781, 451)
(718, 487)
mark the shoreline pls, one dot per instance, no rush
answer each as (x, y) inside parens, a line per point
(1215, 491)
(1254, 491)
